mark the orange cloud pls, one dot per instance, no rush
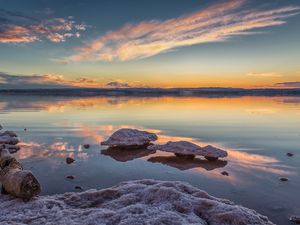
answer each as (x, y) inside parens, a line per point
(215, 23)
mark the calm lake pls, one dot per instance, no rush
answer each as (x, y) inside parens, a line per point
(257, 132)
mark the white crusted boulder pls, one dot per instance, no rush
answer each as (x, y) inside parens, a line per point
(212, 153)
(127, 137)
(9, 138)
(133, 202)
(6, 139)
(190, 150)
(9, 133)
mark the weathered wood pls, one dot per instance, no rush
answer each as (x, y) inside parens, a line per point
(16, 181)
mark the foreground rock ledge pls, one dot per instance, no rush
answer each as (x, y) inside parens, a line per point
(133, 202)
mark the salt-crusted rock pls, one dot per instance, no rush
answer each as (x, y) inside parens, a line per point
(190, 150)
(134, 202)
(127, 137)
(9, 133)
(212, 153)
(10, 148)
(6, 139)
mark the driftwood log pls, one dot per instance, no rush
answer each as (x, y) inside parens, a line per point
(16, 181)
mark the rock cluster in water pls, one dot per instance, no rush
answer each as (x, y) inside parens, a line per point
(190, 150)
(9, 141)
(132, 202)
(127, 137)
(133, 138)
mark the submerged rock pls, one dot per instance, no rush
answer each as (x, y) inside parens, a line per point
(71, 177)
(86, 146)
(69, 160)
(190, 150)
(132, 202)
(289, 154)
(127, 137)
(225, 173)
(283, 179)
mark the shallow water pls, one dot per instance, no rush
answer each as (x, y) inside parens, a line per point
(256, 131)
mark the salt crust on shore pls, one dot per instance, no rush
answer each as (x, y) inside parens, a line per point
(133, 203)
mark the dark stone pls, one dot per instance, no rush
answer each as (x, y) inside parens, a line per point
(70, 177)
(225, 173)
(289, 154)
(78, 188)
(86, 146)
(69, 160)
(283, 179)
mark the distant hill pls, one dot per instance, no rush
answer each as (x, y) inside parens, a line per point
(151, 92)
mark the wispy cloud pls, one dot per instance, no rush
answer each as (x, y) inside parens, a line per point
(56, 81)
(20, 28)
(40, 81)
(215, 23)
(125, 84)
(293, 84)
(271, 74)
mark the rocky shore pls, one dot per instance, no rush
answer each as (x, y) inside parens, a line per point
(132, 202)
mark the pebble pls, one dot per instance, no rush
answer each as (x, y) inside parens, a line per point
(86, 146)
(225, 173)
(283, 179)
(69, 160)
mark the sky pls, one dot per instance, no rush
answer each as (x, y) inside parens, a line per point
(141, 43)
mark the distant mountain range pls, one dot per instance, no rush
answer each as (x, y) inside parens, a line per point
(152, 92)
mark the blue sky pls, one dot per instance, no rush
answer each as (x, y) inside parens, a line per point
(139, 43)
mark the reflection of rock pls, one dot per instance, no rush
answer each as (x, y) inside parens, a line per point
(185, 164)
(190, 150)
(124, 155)
(132, 202)
(129, 137)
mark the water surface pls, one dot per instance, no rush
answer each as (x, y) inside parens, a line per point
(256, 131)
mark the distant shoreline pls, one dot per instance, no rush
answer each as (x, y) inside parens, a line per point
(152, 92)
